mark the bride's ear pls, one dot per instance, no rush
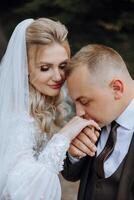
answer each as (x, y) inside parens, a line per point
(117, 87)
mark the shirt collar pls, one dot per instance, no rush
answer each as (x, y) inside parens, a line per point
(126, 119)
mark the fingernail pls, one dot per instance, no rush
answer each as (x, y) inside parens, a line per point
(93, 154)
(84, 154)
(94, 148)
(99, 128)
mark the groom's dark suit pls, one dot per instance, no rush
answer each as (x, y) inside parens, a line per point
(120, 186)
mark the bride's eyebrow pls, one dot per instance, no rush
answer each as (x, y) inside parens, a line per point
(43, 63)
(64, 61)
(50, 64)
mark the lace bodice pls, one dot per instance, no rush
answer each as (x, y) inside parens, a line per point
(29, 176)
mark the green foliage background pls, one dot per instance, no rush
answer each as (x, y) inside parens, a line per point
(109, 22)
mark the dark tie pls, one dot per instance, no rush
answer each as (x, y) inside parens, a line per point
(108, 149)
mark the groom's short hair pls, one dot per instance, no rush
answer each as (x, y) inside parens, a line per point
(98, 58)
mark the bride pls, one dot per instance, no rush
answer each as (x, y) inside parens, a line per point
(32, 147)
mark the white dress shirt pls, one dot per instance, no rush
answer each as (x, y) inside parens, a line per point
(124, 135)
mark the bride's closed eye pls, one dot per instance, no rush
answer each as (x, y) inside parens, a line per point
(44, 68)
(63, 65)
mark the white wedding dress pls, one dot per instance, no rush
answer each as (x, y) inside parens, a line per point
(27, 172)
(33, 175)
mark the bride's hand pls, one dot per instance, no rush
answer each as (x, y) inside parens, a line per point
(76, 125)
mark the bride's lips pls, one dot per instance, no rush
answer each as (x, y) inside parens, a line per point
(56, 86)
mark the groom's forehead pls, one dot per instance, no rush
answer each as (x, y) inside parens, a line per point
(78, 89)
(78, 72)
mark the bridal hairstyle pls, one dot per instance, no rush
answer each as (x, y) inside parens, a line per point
(49, 112)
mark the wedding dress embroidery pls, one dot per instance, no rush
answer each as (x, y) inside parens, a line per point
(55, 152)
(51, 158)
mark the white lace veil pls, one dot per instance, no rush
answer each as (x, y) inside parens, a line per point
(14, 90)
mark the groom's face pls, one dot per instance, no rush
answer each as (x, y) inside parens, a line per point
(92, 100)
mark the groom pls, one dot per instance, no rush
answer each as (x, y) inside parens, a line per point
(102, 89)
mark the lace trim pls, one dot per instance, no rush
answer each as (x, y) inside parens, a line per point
(54, 153)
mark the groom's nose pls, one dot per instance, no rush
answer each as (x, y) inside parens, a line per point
(79, 110)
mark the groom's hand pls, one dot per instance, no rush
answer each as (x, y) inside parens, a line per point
(84, 143)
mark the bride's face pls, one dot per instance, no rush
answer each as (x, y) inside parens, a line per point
(47, 67)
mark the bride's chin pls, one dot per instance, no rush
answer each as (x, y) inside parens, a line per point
(53, 93)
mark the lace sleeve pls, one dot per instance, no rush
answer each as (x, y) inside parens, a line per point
(55, 152)
(29, 178)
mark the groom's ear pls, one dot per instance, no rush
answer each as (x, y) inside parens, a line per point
(117, 87)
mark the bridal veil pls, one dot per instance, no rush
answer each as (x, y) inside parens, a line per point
(14, 91)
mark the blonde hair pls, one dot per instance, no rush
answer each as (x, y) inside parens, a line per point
(46, 31)
(49, 112)
(100, 60)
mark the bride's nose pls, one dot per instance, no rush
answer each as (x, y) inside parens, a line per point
(57, 75)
